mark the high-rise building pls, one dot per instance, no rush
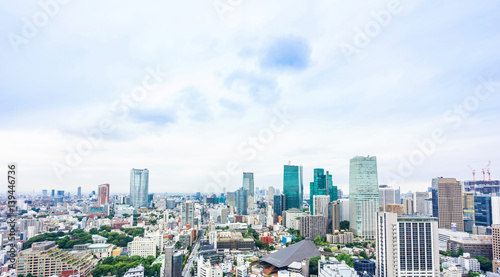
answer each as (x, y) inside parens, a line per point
(333, 217)
(322, 185)
(293, 187)
(271, 193)
(450, 204)
(139, 187)
(172, 264)
(248, 183)
(312, 226)
(44, 193)
(231, 199)
(394, 208)
(434, 192)
(320, 204)
(242, 201)
(60, 193)
(279, 204)
(495, 232)
(79, 193)
(103, 196)
(53, 193)
(364, 196)
(419, 202)
(408, 206)
(407, 246)
(482, 210)
(187, 213)
(388, 195)
(344, 209)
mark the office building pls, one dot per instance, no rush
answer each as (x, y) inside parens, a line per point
(344, 209)
(333, 217)
(419, 202)
(450, 204)
(434, 196)
(137, 271)
(482, 210)
(172, 264)
(103, 194)
(242, 201)
(364, 267)
(231, 199)
(143, 247)
(205, 269)
(394, 208)
(312, 226)
(79, 193)
(388, 195)
(139, 187)
(364, 196)
(320, 204)
(279, 204)
(248, 183)
(408, 206)
(44, 193)
(322, 185)
(270, 193)
(481, 246)
(334, 268)
(407, 246)
(293, 187)
(496, 247)
(53, 193)
(187, 213)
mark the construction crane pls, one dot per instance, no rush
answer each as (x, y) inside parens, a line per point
(487, 168)
(473, 173)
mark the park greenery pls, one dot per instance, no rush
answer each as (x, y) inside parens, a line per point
(119, 265)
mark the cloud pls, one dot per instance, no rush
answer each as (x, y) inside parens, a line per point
(260, 88)
(286, 53)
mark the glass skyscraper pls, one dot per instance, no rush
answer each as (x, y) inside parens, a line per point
(241, 201)
(363, 196)
(139, 183)
(482, 210)
(322, 185)
(293, 187)
(248, 184)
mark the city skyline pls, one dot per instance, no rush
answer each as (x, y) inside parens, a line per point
(423, 106)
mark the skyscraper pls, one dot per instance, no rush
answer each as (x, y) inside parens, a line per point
(482, 210)
(279, 204)
(320, 204)
(271, 193)
(388, 195)
(450, 204)
(434, 191)
(407, 246)
(364, 196)
(333, 219)
(248, 184)
(79, 193)
(322, 185)
(53, 193)
(241, 201)
(187, 213)
(172, 264)
(419, 202)
(103, 196)
(139, 182)
(44, 193)
(293, 187)
(495, 231)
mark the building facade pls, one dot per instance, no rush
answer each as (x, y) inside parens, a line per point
(322, 185)
(293, 187)
(312, 226)
(450, 204)
(364, 196)
(139, 187)
(103, 194)
(248, 183)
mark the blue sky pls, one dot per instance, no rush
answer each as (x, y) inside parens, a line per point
(221, 75)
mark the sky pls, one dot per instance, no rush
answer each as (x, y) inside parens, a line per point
(199, 92)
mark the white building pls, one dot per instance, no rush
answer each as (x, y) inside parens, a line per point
(407, 246)
(187, 213)
(320, 204)
(205, 269)
(135, 272)
(344, 209)
(143, 247)
(336, 270)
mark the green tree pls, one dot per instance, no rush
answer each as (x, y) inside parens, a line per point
(178, 245)
(327, 249)
(474, 274)
(484, 263)
(344, 225)
(363, 255)
(313, 265)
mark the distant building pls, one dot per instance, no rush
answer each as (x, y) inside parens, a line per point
(242, 201)
(248, 183)
(419, 202)
(333, 217)
(205, 269)
(322, 185)
(103, 194)
(407, 206)
(496, 247)
(364, 267)
(139, 188)
(394, 208)
(312, 226)
(482, 210)
(135, 272)
(388, 195)
(279, 204)
(187, 213)
(270, 193)
(172, 264)
(364, 196)
(293, 187)
(450, 204)
(143, 247)
(320, 205)
(434, 196)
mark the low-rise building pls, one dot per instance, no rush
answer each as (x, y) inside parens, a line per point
(143, 247)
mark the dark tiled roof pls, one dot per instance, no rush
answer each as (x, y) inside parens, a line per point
(294, 253)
